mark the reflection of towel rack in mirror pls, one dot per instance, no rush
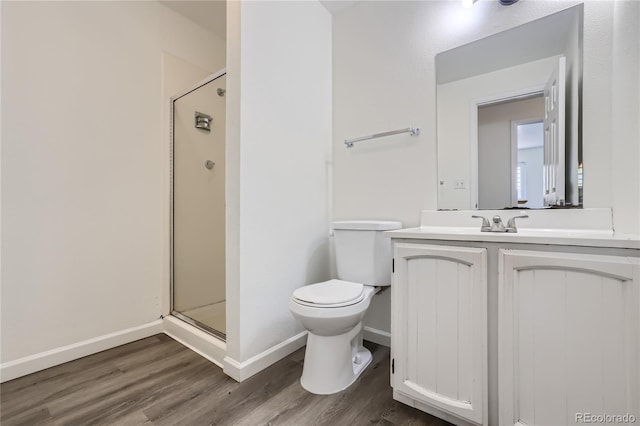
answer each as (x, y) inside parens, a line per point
(415, 131)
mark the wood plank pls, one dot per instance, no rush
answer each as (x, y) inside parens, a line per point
(615, 344)
(54, 383)
(78, 407)
(447, 328)
(426, 363)
(158, 381)
(585, 320)
(550, 363)
(465, 331)
(524, 324)
(411, 320)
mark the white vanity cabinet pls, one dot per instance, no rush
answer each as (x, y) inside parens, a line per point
(569, 337)
(439, 329)
(539, 327)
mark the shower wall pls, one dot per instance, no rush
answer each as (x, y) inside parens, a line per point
(199, 204)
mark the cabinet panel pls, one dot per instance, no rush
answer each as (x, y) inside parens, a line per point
(439, 327)
(447, 326)
(569, 336)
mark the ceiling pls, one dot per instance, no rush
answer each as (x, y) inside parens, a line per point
(336, 6)
(210, 14)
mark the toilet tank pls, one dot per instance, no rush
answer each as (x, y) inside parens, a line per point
(363, 253)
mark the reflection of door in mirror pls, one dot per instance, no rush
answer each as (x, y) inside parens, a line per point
(501, 143)
(554, 140)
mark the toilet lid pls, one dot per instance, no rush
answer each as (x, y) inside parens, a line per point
(332, 293)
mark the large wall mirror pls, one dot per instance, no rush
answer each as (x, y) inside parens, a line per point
(509, 126)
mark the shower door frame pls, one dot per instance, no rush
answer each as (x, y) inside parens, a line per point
(216, 333)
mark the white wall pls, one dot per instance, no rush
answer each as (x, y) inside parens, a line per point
(280, 143)
(84, 197)
(625, 120)
(384, 78)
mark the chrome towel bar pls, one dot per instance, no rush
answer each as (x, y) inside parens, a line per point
(415, 131)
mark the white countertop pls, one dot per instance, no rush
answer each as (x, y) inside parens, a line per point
(573, 227)
(573, 237)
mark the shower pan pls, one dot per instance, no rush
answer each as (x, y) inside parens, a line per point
(198, 206)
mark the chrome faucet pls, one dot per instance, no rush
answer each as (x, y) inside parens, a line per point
(511, 223)
(497, 225)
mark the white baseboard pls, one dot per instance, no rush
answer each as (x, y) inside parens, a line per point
(241, 371)
(377, 336)
(195, 339)
(32, 363)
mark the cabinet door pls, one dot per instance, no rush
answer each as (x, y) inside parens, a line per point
(569, 335)
(439, 327)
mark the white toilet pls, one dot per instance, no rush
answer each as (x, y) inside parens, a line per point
(332, 311)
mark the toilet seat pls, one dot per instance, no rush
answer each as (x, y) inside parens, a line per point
(330, 294)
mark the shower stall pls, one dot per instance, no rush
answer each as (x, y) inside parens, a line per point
(198, 206)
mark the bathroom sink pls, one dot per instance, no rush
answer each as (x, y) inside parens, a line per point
(577, 227)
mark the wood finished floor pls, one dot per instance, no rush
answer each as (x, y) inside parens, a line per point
(158, 381)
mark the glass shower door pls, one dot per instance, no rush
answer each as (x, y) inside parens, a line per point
(198, 210)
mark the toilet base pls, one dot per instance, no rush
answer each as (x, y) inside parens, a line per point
(333, 363)
(365, 358)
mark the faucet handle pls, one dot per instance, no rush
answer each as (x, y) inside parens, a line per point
(511, 224)
(485, 222)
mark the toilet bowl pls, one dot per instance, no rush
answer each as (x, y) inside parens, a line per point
(332, 311)
(334, 356)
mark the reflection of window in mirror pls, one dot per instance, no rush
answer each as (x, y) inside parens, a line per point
(580, 186)
(530, 140)
(521, 182)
